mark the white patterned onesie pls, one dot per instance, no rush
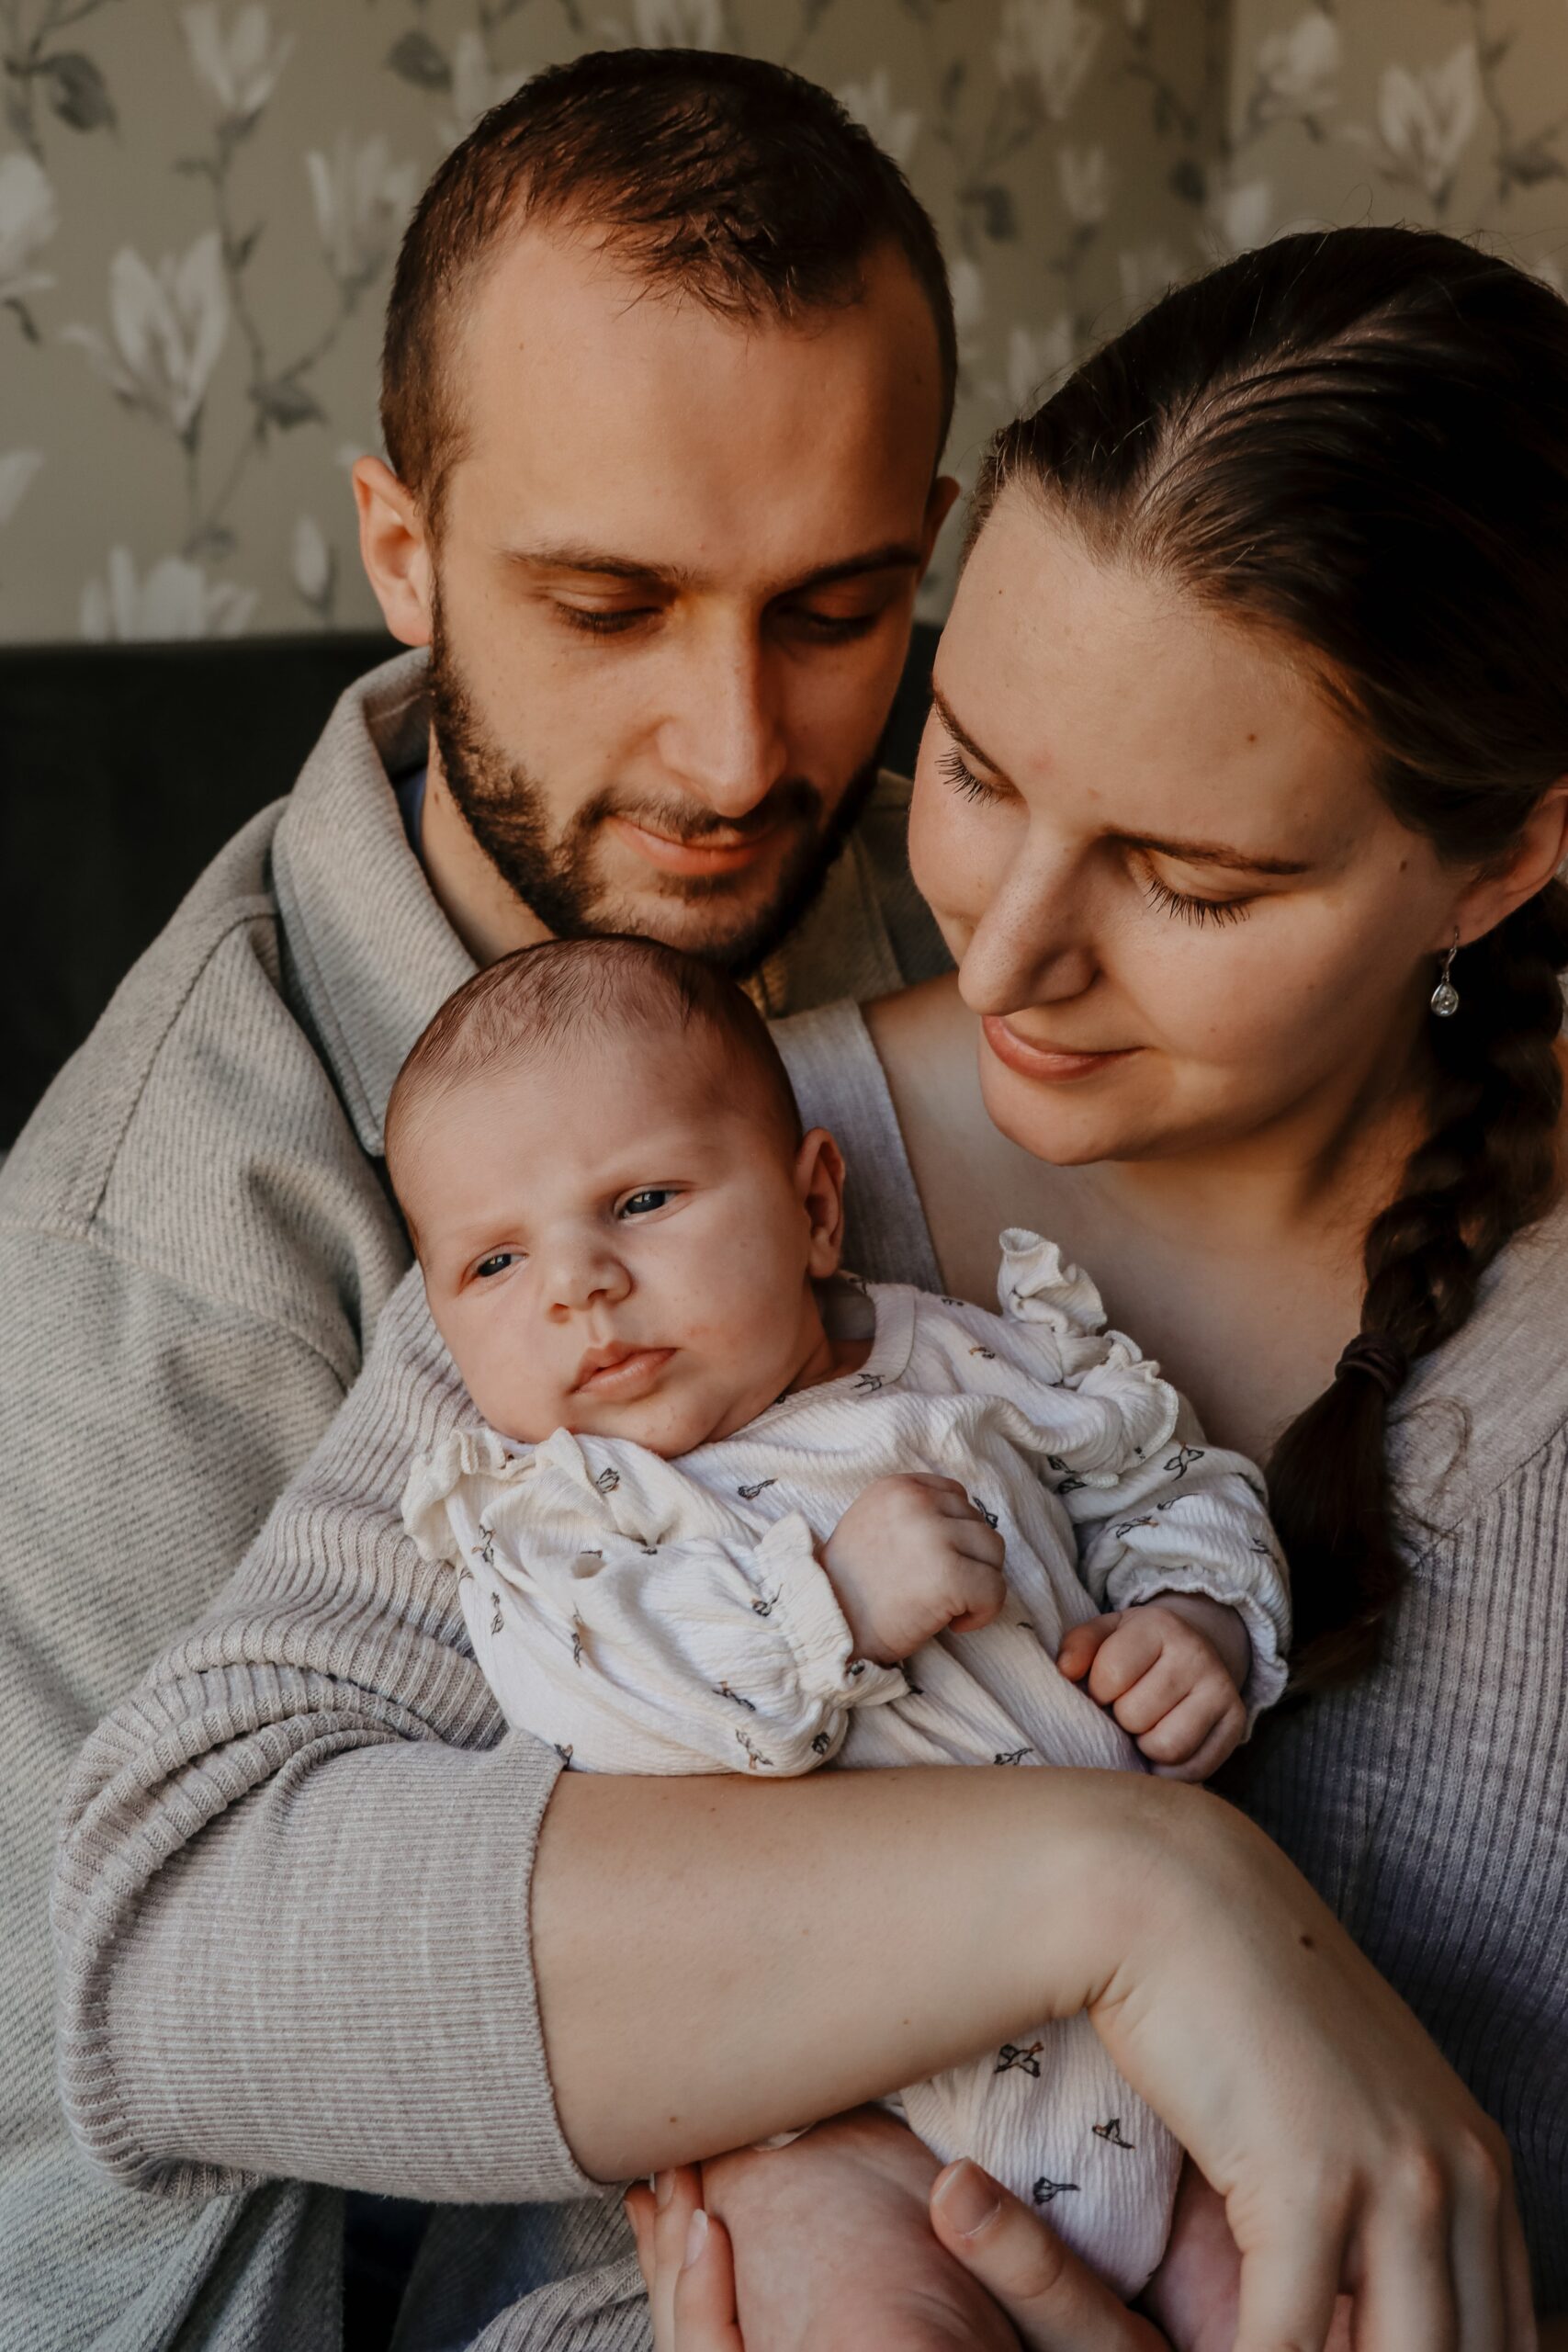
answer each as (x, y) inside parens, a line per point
(647, 1616)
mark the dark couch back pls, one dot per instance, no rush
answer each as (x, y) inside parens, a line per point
(124, 769)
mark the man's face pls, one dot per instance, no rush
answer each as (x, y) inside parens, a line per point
(672, 590)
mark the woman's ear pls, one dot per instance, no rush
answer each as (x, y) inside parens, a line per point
(394, 549)
(819, 1187)
(1537, 855)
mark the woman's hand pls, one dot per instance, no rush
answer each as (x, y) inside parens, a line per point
(882, 2280)
(1335, 2103)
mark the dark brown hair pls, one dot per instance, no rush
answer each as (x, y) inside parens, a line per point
(565, 993)
(730, 179)
(1360, 438)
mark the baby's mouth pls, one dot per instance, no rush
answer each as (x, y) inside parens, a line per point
(623, 1374)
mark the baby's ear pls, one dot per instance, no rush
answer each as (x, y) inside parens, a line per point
(819, 1185)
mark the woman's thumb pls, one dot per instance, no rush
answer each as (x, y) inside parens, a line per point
(1055, 2300)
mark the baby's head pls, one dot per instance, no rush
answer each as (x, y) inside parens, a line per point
(617, 1216)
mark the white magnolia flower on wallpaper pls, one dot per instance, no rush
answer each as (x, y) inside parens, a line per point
(1298, 70)
(968, 283)
(176, 599)
(29, 218)
(1426, 120)
(314, 565)
(678, 24)
(241, 62)
(168, 324)
(1036, 356)
(1085, 176)
(18, 467)
(1148, 272)
(895, 129)
(1050, 44)
(362, 200)
(1239, 218)
(476, 85)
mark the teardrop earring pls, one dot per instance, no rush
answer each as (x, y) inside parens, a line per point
(1445, 996)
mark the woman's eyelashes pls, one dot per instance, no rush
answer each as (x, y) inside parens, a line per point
(1190, 910)
(952, 765)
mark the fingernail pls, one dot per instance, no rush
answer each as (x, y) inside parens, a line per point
(663, 2188)
(696, 2238)
(968, 2197)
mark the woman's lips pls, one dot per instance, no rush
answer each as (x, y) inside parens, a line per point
(674, 857)
(1031, 1060)
(626, 1377)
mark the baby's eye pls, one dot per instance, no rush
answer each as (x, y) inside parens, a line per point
(496, 1263)
(644, 1200)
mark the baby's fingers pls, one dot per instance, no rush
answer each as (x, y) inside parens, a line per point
(1206, 1721)
(1080, 1644)
(976, 1591)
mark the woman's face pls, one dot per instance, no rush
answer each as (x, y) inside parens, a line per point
(1182, 910)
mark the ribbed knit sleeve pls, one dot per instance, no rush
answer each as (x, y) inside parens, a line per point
(291, 1907)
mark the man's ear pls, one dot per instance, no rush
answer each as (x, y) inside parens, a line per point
(1529, 866)
(394, 549)
(944, 492)
(819, 1186)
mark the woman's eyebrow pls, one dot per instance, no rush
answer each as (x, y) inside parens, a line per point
(960, 733)
(1184, 852)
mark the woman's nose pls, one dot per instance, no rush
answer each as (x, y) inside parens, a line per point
(1033, 942)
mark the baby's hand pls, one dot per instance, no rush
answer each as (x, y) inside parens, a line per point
(1170, 1671)
(911, 1557)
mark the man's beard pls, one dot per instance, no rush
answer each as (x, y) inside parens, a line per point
(504, 809)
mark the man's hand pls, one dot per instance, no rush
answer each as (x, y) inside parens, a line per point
(828, 2246)
(912, 1557)
(1170, 1671)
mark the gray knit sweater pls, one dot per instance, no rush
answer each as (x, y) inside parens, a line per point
(195, 1246)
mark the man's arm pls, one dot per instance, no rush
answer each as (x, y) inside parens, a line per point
(292, 1888)
(128, 1492)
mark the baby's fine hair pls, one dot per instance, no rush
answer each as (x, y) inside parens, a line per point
(564, 991)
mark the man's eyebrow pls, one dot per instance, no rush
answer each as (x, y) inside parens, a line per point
(893, 555)
(1184, 852)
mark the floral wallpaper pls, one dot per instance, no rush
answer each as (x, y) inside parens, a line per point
(199, 204)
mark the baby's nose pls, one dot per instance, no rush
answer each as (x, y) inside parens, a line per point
(583, 1271)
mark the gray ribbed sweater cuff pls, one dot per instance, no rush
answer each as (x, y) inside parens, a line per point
(401, 1995)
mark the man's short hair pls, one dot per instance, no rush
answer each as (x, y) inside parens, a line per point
(727, 178)
(565, 993)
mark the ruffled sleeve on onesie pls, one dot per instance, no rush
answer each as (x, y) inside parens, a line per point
(619, 1612)
(1156, 1510)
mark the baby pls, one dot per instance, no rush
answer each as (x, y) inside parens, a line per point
(734, 1510)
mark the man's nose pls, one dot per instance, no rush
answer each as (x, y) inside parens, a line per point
(581, 1269)
(1034, 943)
(723, 736)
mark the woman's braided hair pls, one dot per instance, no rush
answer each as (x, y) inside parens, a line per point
(1359, 439)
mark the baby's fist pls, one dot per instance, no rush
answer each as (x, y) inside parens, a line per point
(1170, 1671)
(912, 1557)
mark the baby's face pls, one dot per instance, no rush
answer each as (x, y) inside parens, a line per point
(610, 1245)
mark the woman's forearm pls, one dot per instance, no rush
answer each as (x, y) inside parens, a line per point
(719, 1960)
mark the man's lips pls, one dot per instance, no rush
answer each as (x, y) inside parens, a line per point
(1032, 1060)
(623, 1374)
(674, 856)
